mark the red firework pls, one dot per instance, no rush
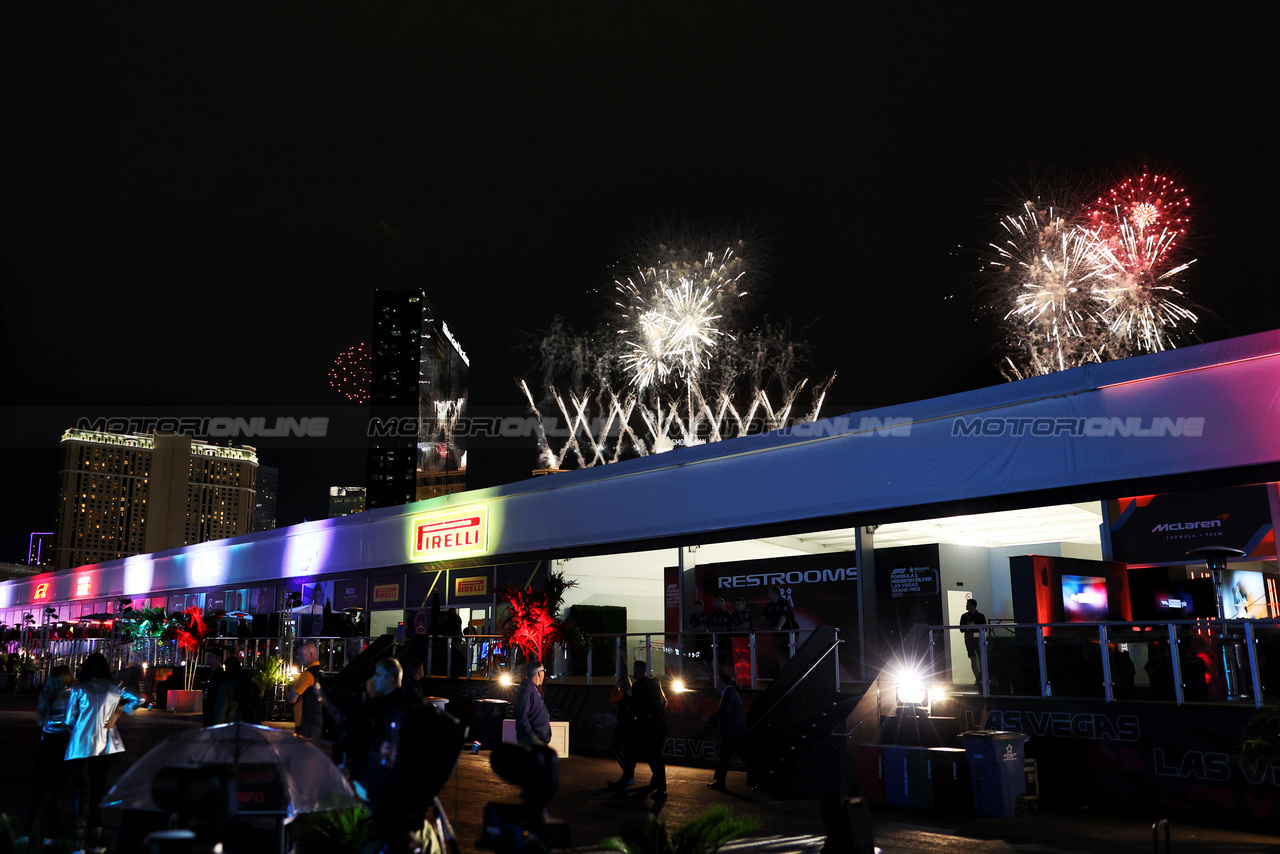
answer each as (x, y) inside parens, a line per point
(1149, 212)
(350, 373)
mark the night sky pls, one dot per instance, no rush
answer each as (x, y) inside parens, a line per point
(199, 201)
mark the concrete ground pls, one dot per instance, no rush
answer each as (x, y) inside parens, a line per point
(593, 812)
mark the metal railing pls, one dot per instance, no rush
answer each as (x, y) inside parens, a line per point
(1180, 661)
(692, 656)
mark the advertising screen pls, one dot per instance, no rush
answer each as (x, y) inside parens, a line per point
(1084, 598)
(1244, 595)
(1158, 598)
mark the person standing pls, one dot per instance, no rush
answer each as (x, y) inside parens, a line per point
(740, 623)
(212, 686)
(621, 697)
(51, 767)
(411, 681)
(700, 649)
(777, 617)
(973, 617)
(533, 723)
(733, 729)
(720, 621)
(305, 695)
(93, 708)
(238, 700)
(649, 703)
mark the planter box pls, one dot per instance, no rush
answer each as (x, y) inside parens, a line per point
(559, 735)
(184, 701)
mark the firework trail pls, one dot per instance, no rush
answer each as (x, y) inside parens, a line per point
(669, 366)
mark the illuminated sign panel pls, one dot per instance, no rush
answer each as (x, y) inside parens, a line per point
(386, 593)
(450, 534)
(478, 586)
(42, 590)
(82, 585)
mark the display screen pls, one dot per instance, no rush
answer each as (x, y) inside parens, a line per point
(1084, 598)
(1244, 595)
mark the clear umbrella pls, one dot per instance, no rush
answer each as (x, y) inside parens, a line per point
(275, 771)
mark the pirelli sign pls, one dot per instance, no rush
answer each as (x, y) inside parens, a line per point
(454, 533)
(474, 586)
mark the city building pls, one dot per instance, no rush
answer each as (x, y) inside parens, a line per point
(40, 548)
(418, 391)
(126, 494)
(266, 499)
(345, 500)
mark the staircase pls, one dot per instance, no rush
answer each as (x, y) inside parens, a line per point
(798, 725)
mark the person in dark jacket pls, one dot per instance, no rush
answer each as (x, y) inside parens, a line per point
(649, 703)
(306, 696)
(51, 767)
(621, 697)
(533, 723)
(733, 729)
(238, 700)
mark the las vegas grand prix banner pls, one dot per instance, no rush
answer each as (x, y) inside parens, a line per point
(822, 590)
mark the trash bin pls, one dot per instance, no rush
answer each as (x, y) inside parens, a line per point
(996, 769)
(489, 715)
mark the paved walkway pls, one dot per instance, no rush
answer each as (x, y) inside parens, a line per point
(593, 812)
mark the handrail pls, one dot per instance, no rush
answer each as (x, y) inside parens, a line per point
(1234, 641)
(796, 683)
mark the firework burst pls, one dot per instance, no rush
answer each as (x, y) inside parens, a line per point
(1098, 282)
(1135, 228)
(1055, 284)
(670, 318)
(350, 373)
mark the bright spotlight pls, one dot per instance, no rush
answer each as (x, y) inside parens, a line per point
(937, 694)
(911, 688)
(677, 686)
(505, 679)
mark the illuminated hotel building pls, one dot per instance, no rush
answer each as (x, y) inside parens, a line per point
(418, 391)
(125, 494)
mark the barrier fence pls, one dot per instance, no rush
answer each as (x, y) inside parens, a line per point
(1231, 661)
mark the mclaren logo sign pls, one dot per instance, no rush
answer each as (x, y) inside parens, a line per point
(454, 533)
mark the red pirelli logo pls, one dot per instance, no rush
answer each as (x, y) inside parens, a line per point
(477, 586)
(386, 592)
(442, 535)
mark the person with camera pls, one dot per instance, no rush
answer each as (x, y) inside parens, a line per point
(398, 754)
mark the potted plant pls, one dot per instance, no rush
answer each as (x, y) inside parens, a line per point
(702, 834)
(190, 630)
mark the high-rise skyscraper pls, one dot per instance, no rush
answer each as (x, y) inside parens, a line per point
(125, 494)
(345, 500)
(418, 391)
(40, 549)
(266, 497)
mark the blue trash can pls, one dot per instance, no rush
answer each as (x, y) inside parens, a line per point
(996, 763)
